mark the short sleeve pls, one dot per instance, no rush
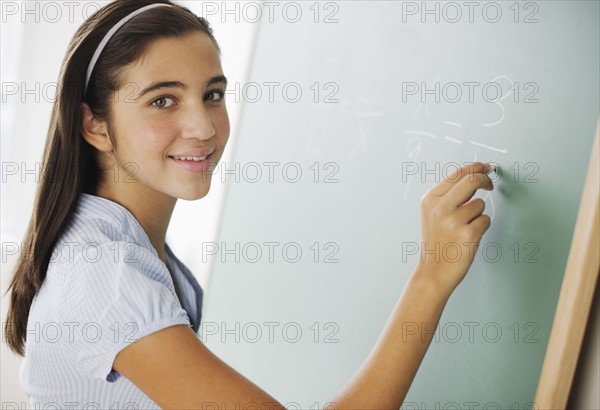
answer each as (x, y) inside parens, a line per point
(114, 294)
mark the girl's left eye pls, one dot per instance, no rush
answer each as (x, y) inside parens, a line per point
(215, 95)
(163, 102)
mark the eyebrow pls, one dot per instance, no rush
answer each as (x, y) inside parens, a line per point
(178, 84)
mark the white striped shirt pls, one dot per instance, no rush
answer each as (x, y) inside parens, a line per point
(105, 288)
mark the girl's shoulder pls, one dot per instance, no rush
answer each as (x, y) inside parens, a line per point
(113, 279)
(107, 281)
(100, 228)
(100, 220)
(104, 240)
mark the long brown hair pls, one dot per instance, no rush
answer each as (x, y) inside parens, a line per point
(69, 164)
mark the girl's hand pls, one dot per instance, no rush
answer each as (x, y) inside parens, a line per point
(452, 225)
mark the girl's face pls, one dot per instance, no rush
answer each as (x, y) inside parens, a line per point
(171, 103)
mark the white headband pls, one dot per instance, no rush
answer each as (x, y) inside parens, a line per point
(109, 35)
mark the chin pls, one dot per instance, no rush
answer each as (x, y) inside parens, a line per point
(191, 190)
(192, 196)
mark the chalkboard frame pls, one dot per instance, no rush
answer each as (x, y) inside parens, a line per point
(576, 295)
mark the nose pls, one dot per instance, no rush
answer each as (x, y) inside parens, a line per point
(197, 123)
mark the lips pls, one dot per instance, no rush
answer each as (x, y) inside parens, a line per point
(196, 161)
(199, 152)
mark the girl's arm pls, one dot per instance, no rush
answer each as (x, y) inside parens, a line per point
(386, 375)
(176, 370)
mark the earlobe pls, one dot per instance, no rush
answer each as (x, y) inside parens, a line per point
(94, 130)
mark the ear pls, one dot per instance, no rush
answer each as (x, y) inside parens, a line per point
(94, 130)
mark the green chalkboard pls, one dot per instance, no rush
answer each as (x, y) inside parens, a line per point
(352, 110)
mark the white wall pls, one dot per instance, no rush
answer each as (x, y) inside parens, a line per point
(46, 29)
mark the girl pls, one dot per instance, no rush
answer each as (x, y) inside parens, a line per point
(139, 122)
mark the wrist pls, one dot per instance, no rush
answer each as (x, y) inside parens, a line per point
(426, 279)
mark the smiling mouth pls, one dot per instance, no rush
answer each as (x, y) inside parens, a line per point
(195, 159)
(194, 164)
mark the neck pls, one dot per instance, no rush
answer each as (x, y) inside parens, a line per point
(153, 212)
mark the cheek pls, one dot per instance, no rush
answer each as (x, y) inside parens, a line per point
(153, 137)
(141, 137)
(222, 124)
(144, 148)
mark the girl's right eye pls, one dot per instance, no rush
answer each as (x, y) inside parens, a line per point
(163, 102)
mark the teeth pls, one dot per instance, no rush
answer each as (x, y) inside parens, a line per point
(190, 158)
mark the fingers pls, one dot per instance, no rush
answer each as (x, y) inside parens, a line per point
(444, 186)
(463, 190)
(471, 210)
(481, 224)
(451, 216)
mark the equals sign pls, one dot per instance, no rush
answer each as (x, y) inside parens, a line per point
(454, 124)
